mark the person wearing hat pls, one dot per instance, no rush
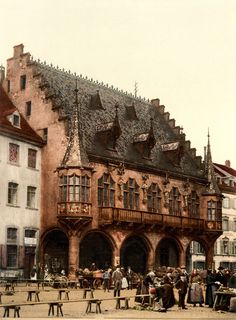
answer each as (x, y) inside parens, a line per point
(184, 272)
(220, 277)
(195, 294)
(211, 287)
(117, 276)
(182, 285)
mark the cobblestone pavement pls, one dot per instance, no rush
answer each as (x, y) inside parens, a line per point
(76, 310)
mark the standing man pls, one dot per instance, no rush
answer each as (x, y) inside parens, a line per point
(129, 277)
(117, 280)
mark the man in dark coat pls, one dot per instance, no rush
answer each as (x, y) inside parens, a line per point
(211, 287)
(182, 286)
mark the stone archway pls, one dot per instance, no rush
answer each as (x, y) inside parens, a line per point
(95, 247)
(167, 253)
(55, 248)
(134, 253)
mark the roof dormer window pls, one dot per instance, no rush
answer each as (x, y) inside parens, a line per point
(16, 120)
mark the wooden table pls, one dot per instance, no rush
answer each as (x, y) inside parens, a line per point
(222, 300)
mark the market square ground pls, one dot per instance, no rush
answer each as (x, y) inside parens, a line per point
(76, 310)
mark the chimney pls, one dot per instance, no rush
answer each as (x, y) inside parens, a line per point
(18, 50)
(2, 74)
(227, 163)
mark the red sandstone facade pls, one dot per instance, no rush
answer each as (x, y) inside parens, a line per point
(97, 207)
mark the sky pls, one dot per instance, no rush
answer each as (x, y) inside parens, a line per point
(180, 51)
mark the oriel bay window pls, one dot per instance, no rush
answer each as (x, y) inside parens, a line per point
(106, 191)
(154, 198)
(131, 195)
(214, 210)
(74, 188)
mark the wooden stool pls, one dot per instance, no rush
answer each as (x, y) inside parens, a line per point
(7, 311)
(60, 291)
(31, 293)
(51, 308)
(126, 300)
(97, 303)
(85, 293)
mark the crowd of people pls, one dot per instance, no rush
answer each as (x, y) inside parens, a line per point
(196, 288)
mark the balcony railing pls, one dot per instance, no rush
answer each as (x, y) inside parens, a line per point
(74, 209)
(110, 215)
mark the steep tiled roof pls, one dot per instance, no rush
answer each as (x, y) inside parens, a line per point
(24, 131)
(228, 170)
(59, 87)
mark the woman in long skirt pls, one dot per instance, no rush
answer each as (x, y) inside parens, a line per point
(195, 293)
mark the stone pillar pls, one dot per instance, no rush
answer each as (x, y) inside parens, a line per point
(73, 254)
(151, 260)
(182, 257)
(116, 257)
(209, 257)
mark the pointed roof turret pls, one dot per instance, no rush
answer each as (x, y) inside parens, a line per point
(75, 154)
(212, 186)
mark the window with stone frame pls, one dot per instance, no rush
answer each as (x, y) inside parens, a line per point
(225, 223)
(106, 191)
(23, 82)
(197, 248)
(11, 256)
(154, 198)
(30, 233)
(226, 202)
(14, 153)
(75, 188)
(12, 193)
(131, 195)
(31, 197)
(224, 246)
(32, 158)
(28, 108)
(213, 210)
(193, 205)
(174, 202)
(11, 235)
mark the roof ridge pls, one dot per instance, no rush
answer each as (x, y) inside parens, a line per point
(91, 80)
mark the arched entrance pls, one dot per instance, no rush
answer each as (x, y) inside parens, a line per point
(134, 253)
(55, 246)
(167, 253)
(95, 247)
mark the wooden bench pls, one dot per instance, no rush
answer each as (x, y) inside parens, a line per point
(7, 311)
(60, 292)
(31, 293)
(58, 306)
(97, 304)
(85, 293)
(119, 299)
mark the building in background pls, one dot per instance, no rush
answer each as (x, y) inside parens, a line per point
(20, 164)
(120, 183)
(225, 246)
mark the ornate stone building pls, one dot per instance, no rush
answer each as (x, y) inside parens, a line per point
(120, 183)
(225, 246)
